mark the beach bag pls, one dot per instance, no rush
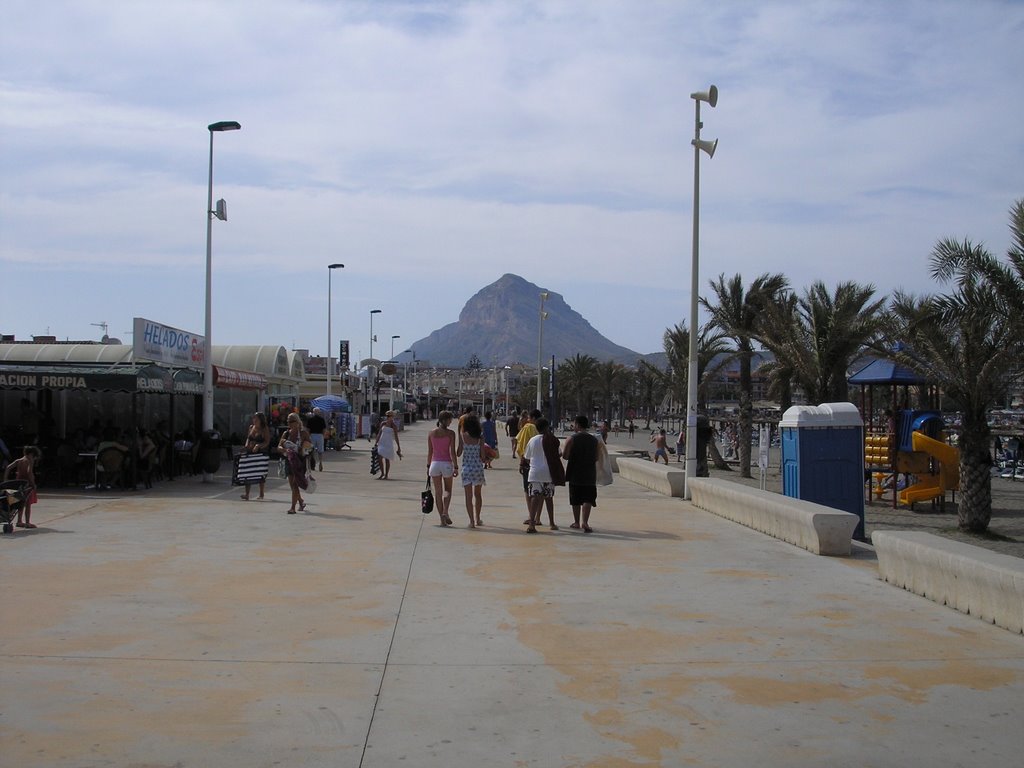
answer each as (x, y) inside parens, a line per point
(427, 500)
(374, 461)
(489, 452)
(603, 466)
(250, 468)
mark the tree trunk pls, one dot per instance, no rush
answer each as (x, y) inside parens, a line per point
(746, 420)
(716, 456)
(975, 509)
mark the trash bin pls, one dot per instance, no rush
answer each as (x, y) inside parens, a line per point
(823, 457)
(210, 447)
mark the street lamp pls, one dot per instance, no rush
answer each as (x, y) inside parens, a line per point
(711, 97)
(540, 342)
(330, 269)
(219, 212)
(391, 377)
(370, 364)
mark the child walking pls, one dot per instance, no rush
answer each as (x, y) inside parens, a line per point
(473, 479)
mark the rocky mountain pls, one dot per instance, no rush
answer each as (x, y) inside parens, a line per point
(500, 322)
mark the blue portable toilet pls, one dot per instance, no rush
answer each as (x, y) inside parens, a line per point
(823, 457)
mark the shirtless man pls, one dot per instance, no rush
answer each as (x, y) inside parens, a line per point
(512, 429)
(660, 446)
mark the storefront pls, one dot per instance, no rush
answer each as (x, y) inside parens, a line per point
(79, 386)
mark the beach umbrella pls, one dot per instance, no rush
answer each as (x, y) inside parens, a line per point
(332, 404)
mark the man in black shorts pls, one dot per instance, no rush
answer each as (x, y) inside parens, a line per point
(580, 453)
(512, 429)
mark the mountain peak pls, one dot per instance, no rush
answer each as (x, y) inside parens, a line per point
(500, 324)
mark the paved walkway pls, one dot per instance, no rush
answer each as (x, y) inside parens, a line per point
(184, 627)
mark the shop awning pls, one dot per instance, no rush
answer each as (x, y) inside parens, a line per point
(148, 378)
(188, 382)
(232, 377)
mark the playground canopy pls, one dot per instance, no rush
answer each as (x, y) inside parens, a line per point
(886, 372)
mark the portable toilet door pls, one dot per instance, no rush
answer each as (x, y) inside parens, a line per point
(823, 457)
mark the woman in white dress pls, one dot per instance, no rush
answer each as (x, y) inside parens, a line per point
(388, 445)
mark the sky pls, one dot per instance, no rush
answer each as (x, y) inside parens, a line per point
(433, 146)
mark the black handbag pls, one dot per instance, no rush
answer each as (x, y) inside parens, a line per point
(427, 500)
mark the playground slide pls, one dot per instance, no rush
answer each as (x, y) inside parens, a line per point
(933, 486)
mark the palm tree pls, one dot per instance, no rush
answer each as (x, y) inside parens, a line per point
(776, 328)
(577, 376)
(650, 383)
(609, 378)
(969, 342)
(712, 357)
(824, 334)
(736, 314)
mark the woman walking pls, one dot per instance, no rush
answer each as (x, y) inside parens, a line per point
(490, 432)
(546, 472)
(294, 445)
(24, 469)
(473, 479)
(257, 443)
(442, 464)
(388, 444)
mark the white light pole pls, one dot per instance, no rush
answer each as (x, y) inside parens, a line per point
(369, 365)
(711, 97)
(540, 343)
(391, 377)
(330, 269)
(227, 125)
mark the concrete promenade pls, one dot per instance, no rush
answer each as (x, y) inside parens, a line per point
(184, 627)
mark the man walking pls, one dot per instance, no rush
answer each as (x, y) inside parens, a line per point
(581, 453)
(512, 429)
(317, 425)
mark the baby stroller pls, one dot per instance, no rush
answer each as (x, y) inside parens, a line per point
(12, 498)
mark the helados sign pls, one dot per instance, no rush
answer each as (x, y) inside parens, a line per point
(164, 344)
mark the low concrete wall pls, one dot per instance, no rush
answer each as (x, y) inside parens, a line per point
(819, 529)
(973, 580)
(616, 455)
(657, 477)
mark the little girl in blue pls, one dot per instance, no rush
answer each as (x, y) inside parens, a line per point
(473, 479)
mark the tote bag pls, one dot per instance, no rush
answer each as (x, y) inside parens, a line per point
(427, 500)
(603, 465)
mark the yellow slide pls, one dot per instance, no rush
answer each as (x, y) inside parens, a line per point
(933, 486)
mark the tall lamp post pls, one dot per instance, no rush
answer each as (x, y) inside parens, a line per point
(711, 97)
(370, 366)
(330, 372)
(227, 125)
(540, 343)
(391, 378)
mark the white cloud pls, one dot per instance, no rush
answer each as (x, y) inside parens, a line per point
(424, 139)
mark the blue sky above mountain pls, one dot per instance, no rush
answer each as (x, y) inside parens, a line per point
(431, 146)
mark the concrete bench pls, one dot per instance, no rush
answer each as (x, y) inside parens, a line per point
(616, 454)
(971, 579)
(819, 529)
(658, 477)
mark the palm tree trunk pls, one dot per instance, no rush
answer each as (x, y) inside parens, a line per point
(746, 420)
(716, 456)
(975, 509)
